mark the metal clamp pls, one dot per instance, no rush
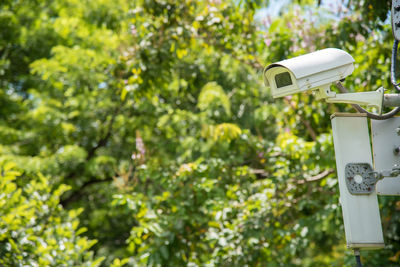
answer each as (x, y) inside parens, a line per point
(361, 177)
(395, 171)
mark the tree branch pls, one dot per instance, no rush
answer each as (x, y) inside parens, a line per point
(103, 141)
(317, 177)
(76, 195)
(306, 123)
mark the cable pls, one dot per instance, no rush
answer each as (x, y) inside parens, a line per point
(358, 258)
(393, 65)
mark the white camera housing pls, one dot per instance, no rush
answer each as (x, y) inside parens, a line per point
(317, 70)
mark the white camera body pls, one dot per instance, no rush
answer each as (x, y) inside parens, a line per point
(317, 70)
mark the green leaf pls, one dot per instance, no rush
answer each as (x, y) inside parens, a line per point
(213, 94)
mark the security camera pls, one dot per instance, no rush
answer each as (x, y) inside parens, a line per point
(316, 72)
(308, 72)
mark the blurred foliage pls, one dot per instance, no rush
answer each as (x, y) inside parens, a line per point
(154, 115)
(35, 230)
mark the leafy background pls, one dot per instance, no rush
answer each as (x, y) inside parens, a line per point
(139, 133)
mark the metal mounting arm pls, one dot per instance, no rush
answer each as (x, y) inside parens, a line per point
(391, 100)
(373, 98)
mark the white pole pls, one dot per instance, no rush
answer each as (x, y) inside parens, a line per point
(362, 222)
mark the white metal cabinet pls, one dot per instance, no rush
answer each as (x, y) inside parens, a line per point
(384, 140)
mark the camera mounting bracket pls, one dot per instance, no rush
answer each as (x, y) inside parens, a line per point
(373, 98)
